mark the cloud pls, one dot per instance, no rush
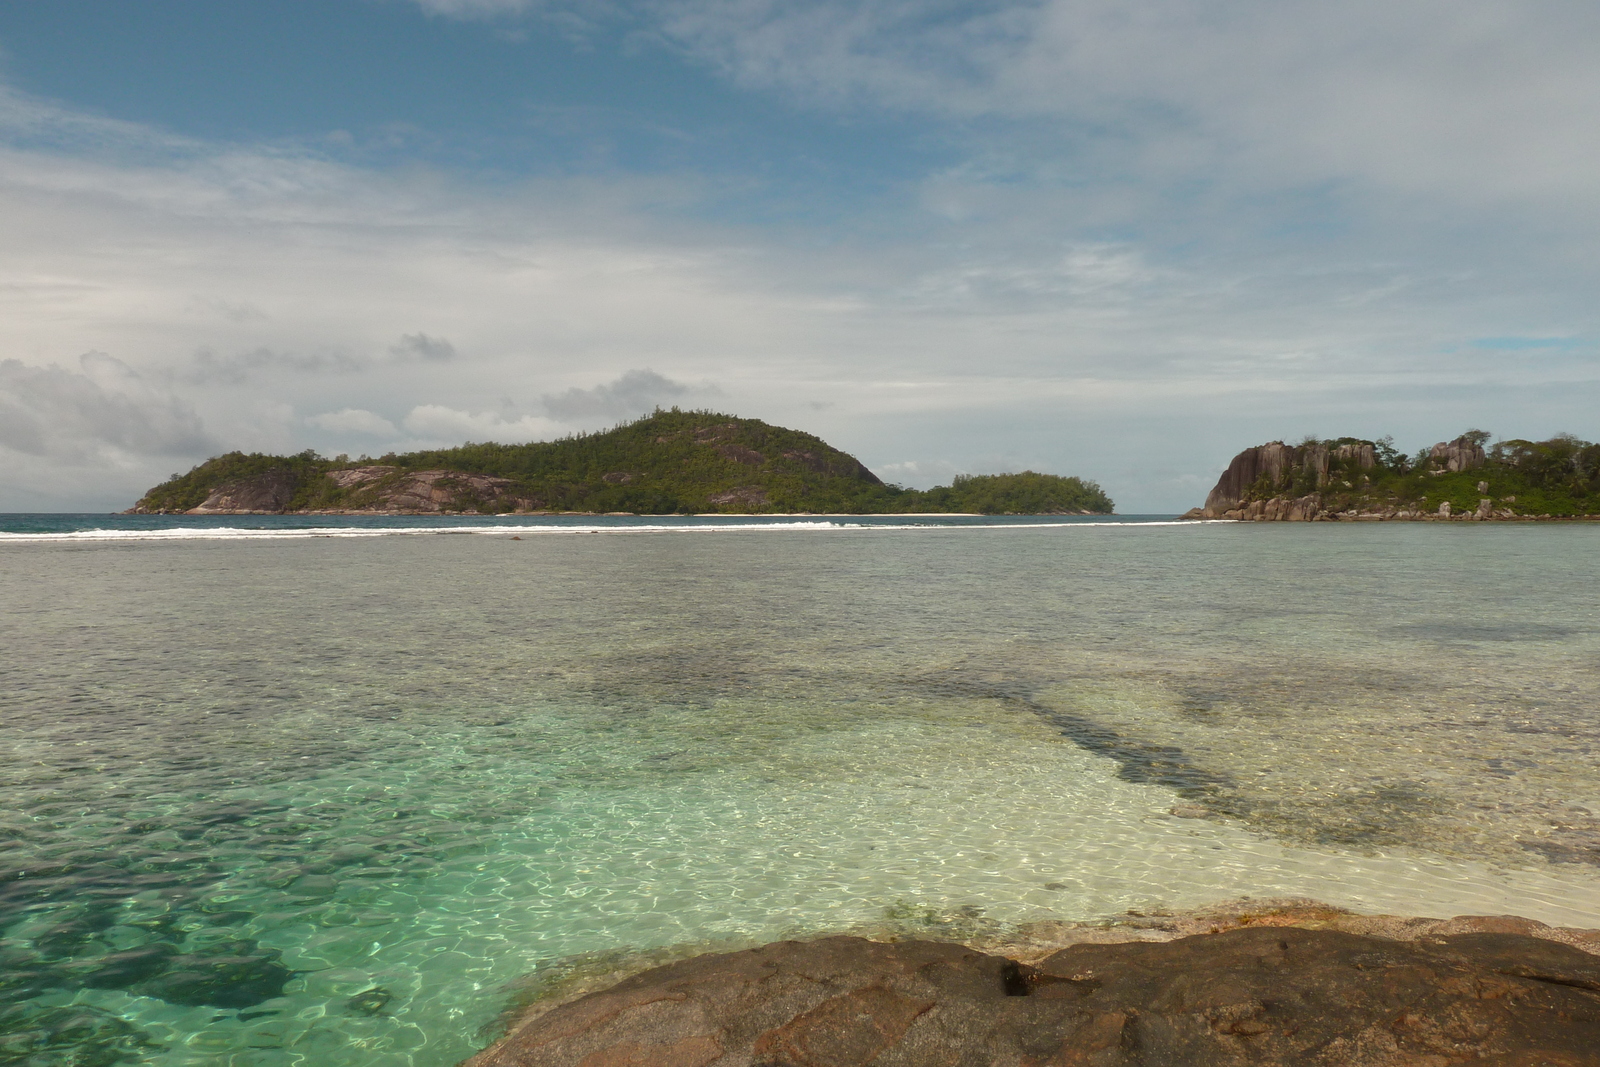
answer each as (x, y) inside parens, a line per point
(96, 413)
(923, 474)
(1127, 252)
(637, 392)
(577, 20)
(421, 346)
(354, 420)
(475, 9)
(208, 367)
(1477, 98)
(435, 422)
(1101, 274)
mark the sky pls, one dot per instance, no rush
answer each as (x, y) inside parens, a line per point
(1121, 241)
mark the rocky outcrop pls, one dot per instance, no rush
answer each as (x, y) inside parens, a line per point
(1257, 474)
(1462, 454)
(1269, 461)
(269, 492)
(740, 454)
(1276, 482)
(435, 492)
(373, 489)
(1266, 994)
(355, 477)
(745, 496)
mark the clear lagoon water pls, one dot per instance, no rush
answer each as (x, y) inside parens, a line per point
(318, 792)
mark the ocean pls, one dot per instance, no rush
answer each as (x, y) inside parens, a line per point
(321, 791)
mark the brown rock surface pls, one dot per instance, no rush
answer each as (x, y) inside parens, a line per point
(1263, 994)
(1273, 460)
(269, 492)
(351, 477)
(423, 492)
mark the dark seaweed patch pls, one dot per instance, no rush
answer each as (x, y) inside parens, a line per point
(70, 1036)
(234, 974)
(370, 1001)
(1137, 761)
(1450, 631)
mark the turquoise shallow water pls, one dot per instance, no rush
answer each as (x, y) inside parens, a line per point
(277, 799)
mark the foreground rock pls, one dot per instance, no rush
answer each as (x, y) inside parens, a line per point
(1257, 995)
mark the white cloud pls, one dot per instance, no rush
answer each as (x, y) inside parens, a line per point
(356, 421)
(1116, 277)
(918, 474)
(435, 423)
(421, 346)
(1473, 98)
(471, 9)
(637, 392)
(236, 368)
(102, 412)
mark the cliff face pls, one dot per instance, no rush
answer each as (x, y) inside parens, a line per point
(373, 488)
(269, 492)
(1275, 466)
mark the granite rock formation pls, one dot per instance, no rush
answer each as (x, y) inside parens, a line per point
(436, 491)
(373, 488)
(1259, 995)
(1462, 454)
(1276, 482)
(1257, 474)
(269, 492)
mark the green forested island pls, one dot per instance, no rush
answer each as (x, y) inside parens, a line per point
(670, 462)
(1353, 478)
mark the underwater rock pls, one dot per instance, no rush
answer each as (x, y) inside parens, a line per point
(1258, 995)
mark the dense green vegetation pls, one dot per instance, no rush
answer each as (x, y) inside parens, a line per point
(1028, 493)
(1557, 477)
(184, 491)
(669, 462)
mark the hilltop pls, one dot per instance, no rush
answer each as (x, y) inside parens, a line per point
(1353, 478)
(683, 462)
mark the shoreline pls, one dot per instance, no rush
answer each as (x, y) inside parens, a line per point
(1468, 517)
(1193, 515)
(641, 514)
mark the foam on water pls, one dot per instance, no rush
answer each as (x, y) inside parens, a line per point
(178, 532)
(318, 802)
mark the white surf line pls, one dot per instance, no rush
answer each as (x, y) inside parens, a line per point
(235, 533)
